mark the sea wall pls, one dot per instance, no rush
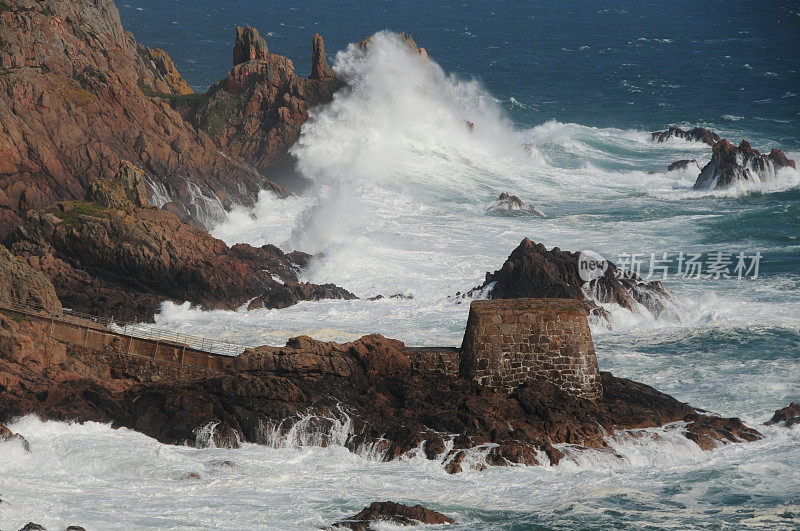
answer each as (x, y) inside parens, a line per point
(510, 342)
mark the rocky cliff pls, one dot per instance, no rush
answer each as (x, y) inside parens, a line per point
(120, 256)
(256, 112)
(78, 96)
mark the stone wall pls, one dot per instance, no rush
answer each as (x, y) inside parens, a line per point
(513, 341)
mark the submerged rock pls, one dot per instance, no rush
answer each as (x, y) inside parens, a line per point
(531, 271)
(682, 165)
(512, 203)
(790, 416)
(391, 513)
(30, 526)
(698, 134)
(730, 164)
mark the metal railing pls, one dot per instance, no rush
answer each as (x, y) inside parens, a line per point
(134, 330)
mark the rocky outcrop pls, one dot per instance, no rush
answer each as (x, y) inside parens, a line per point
(305, 392)
(256, 112)
(125, 259)
(160, 74)
(790, 416)
(698, 134)
(8, 435)
(682, 165)
(512, 203)
(21, 283)
(390, 513)
(531, 271)
(730, 164)
(249, 46)
(77, 98)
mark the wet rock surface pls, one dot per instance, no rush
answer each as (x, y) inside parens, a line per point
(682, 165)
(125, 259)
(789, 416)
(697, 134)
(730, 164)
(511, 203)
(312, 389)
(531, 271)
(394, 514)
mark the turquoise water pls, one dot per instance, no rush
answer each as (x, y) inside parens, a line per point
(399, 204)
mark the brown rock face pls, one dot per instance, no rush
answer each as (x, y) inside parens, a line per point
(393, 514)
(531, 271)
(256, 112)
(730, 164)
(393, 406)
(75, 101)
(249, 46)
(125, 260)
(19, 282)
(698, 134)
(790, 415)
(320, 69)
(163, 77)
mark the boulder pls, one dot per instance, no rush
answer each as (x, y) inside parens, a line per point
(383, 513)
(790, 416)
(531, 271)
(698, 134)
(730, 164)
(511, 203)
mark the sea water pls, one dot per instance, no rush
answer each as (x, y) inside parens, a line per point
(563, 99)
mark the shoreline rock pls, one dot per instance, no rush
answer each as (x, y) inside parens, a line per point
(125, 260)
(393, 514)
(697, 134)
(531, 271)
(511, 203)
(790, 416)
(312, 388)
(730, 164)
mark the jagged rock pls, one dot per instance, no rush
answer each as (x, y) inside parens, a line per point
(256, 112)
(392, 406)
(790, 415)
(165, 78)
(126, 261)
(75, 102)
(406, 39)
(8, 435)
(698, 134)
(730, 164)
(512, 203)
(30, 526)
(531, 271)
(682, 165)
(383, 513)
(249, 46)
(20, 282)
(319, 62)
